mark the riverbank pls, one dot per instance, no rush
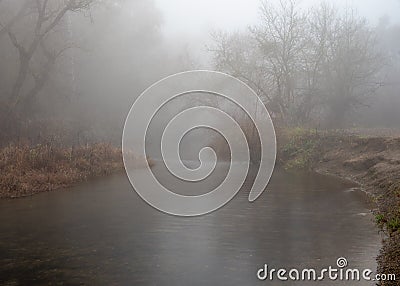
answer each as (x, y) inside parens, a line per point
(26, 170)
(372, 162)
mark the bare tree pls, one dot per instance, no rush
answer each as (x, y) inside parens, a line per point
(46, 16)
(317, 30)
(351, 69)
(266, 57)
(306, 65)
(239, 55)
(281, 40)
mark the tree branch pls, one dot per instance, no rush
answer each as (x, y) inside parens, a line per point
(5, 28)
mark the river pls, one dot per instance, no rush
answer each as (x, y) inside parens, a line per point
(101, 233)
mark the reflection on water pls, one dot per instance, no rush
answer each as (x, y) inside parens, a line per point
(102, 233)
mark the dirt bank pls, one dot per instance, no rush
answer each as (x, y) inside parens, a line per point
(373, 162)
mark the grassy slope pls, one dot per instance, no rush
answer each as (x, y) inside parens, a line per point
(373, 162)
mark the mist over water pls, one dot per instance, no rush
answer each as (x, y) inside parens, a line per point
(71, 72)
(139, 245)
(109, 52)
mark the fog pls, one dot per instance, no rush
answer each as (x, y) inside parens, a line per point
(70, 70)
(197, 103)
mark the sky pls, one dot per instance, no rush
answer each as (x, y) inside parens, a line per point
(189, 22)
(187, 17)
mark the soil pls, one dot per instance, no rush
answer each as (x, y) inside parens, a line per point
(372, 162)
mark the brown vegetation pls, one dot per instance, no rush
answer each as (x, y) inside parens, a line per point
(26, 170)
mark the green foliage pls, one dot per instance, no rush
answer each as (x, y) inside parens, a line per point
(393, 225)
(379, 219)
(300, 148)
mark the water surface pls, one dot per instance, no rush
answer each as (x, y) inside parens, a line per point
(101, 233)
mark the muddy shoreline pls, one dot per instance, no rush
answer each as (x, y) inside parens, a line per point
(371, 162)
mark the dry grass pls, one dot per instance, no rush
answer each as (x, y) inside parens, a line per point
(26, 170)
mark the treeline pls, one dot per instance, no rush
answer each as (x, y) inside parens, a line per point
(70, 69)
(312, 67)
(34, 43)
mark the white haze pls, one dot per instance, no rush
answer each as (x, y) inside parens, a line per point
(189, 22)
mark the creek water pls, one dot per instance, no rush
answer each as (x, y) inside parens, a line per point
(102, 233)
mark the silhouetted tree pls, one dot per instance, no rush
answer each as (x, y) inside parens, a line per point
(306, 65)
